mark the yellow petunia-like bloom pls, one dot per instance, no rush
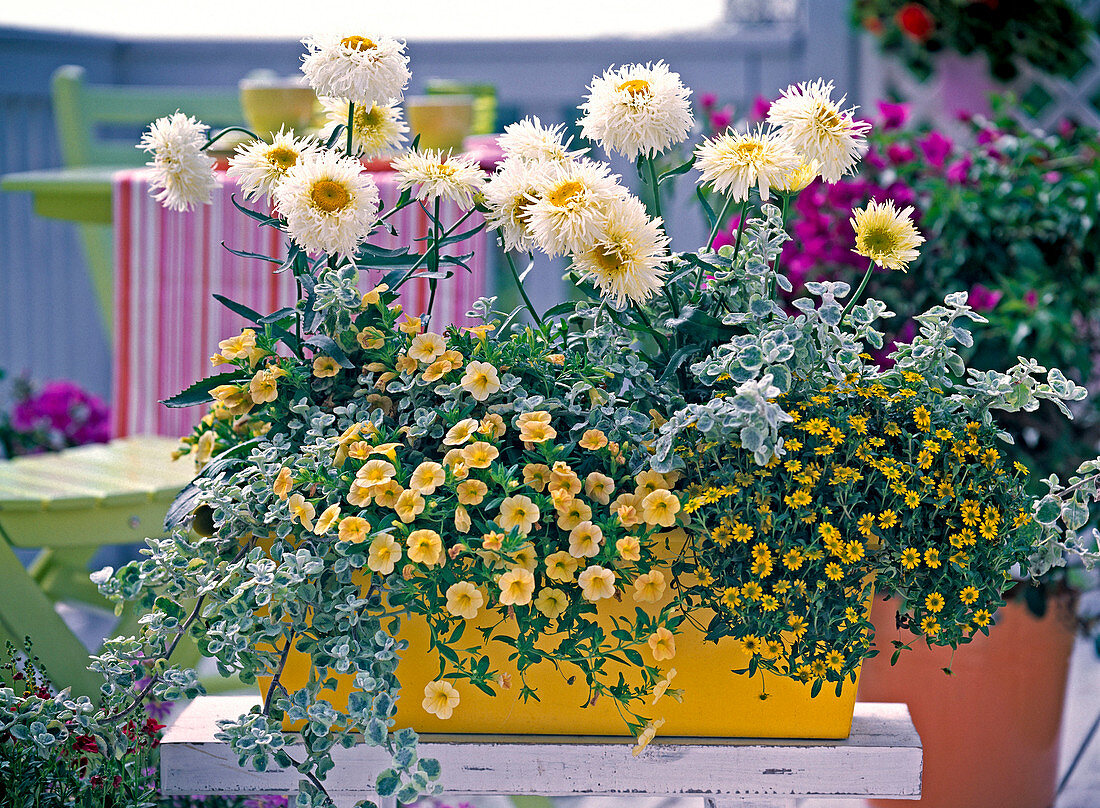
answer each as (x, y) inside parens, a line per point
(427, 477)
(551, 602)
(660, 508)
(593, 439)
(572, 513)
(480, 455)
(375, 472)
(327, 519)
(585, 540)
(629, 548)
(561, 566)
(384, 554)
(597, 583)
(471, 492)
(599, 487)
(283, 483)
(464, 600)
(460, 432)
(536, 476)
(325, 366)
(425, 547)
(516, 587)
(662, 644)
(649, 588)
(886, 235)
(518, 512)
(354, 529)
(536, 432)
(480, 380)
(409, 505)
(302, 510)
(427, 347)
(440, 699)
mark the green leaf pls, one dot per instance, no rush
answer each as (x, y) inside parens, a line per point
(257, 256)
(199, 392)
(387, 782)
(240, 308)
(683, 168)
(327, 346)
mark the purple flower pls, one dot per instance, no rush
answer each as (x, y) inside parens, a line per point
(721, 118)
(959, 171)
(1066, 128)
(1031, 298)
(894, 116)
(708, 100)
(1052, 177)
(874, 159)
(900, 153)
(987, 136)
(269, 801)
(983, 298)
(936, 148)
(760, 108)
(62, 414)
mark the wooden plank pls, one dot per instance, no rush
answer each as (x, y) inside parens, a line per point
(882, 758)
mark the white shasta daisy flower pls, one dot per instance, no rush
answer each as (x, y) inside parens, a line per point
(733, 162)
(571, 203)
(330, 203)
(259, 166)
(454, 176)
(365, 71)
(627, 258)
(637, 109)
(509, 194)
(377, 130)
(182, 171)
(529, 140)
(819, 128)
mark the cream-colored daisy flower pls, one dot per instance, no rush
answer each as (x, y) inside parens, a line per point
(376, 130)
(357, 68)
(627, 257)
(330, 203)
(530, 141)
(182, 171)
(571, 203)
(637, 109)
(819, 128)
(259, 166)
(509, 194)
(434, 176)
(733, 162)
(886, 235)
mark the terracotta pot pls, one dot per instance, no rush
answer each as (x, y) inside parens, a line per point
(991, 729)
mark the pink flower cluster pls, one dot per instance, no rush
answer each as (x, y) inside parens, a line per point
(62, 414)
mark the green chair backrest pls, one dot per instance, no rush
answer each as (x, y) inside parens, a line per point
(81, 110)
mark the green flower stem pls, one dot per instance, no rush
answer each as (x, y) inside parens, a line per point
(772, 282)
(269, 697)
(437, 236)
(741, 227)
(351, 120)
(856, 296)
(210, 141)
(661, 341)
(717, 226)
(650, 162)
(522, 291)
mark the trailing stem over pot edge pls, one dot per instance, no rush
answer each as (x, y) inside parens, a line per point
(358, 470)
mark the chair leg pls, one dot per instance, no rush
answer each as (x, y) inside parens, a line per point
(26, 611)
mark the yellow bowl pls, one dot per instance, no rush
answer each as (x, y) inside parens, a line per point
(441, 121)
(270, 106)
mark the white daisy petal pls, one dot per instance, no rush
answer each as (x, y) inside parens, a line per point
(569, 208)
(819, 128)
(435, 176)
(181, 170)
(528, 140)
(732, 162)
(360, 69)
(259, 166)
(627, 258)
(330, 203)
(637, 109)
(377, 130)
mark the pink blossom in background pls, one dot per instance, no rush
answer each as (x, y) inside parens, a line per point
(708, 100)
(1052, 177)
(760, 108)
(873, 158)
(983, 298)
(1031, 298)
(894, 116)
(720, 119)
(936, 148)
(959, 171)
(1066, 128)
(900, 153)
(63, 414)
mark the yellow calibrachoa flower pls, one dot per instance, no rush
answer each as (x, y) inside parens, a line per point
(662, 686)
(302, 510)
(646, 736)
(427, 347)
(460, 432)
(537, 432)
(410, 325)
(563, 478)
(375, 472)
(660, 508)
(649, 481)
(427, 477)
(283, 483)
(629, 548)
(463, 522)
(235, 398)
(551, 602)
(409, 505)
(440, 698)
(599, 487)
(480, 454)
(536, 476)
(525, 556)
(492, 426)
(471, 492)
(327, 519)
(464, 599)
(518, 512)
(264, 386)
(662, 644)
(480, 380)
(387, 494)
(425, 547)
(406, 364)
(384, 554)
(649, 588)
(516, 587)
(561, 566)
(360, 495)
(325, 366)
(373, 297)
(593, 439)
(596, 583)
(354, 529)
(585, 540)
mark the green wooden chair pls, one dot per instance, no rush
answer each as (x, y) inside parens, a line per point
(98, 125)
(68, 505)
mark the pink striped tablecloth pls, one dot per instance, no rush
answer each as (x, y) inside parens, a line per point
(168, 264)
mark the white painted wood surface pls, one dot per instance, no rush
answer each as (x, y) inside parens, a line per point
(881, 758)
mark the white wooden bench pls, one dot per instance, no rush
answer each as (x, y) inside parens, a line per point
(881, 758)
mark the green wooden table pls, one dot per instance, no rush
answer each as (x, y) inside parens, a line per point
(71, 194)
(68, 505)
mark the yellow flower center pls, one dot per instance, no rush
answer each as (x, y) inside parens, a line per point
(368, 120)
(566, 193)
(283, 157)
(635, 88)
(358, 43)
(748, 151)
(329, 196)
(608, 257)
(826, 118)
(880, 240)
